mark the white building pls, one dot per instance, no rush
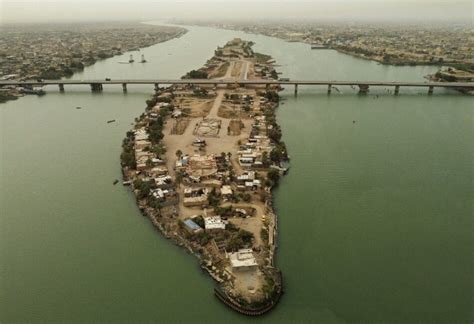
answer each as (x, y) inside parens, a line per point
(243, 260)
(213, 222)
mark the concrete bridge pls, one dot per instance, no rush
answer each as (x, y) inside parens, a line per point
(97, 85)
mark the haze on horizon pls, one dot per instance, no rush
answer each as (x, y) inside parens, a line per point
(423, 11)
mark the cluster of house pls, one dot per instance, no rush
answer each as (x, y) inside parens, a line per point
(37, 51)
(422, 43)
(252, 153)
(153, 168)
(265, 70)
(142, 145)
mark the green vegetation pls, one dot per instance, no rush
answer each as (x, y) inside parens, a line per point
(273, 176)
(213, 198)
(200, 93)
(222, 70)
(262, 58)
(50, 74)
(5, 96)
(264, 234)
(265, 159)
(159, 149)
(223, 211)
(246, 197)
(155, 130)
(279, 154)
(127, 157)
(196, 74)
(272, 96)
(239, 240)
(463, 66)
(199, 220)
(143, 188)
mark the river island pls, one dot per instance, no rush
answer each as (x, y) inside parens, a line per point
(202, 162)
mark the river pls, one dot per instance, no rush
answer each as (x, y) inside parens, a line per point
(376, 220)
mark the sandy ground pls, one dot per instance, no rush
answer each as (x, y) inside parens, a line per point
(196, 107)
(248, 282)
(236, 69)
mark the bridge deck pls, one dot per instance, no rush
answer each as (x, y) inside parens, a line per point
(242, 82)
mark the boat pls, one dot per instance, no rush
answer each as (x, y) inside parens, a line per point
(131, 60)
(78, 107)
(143, 59)
(115, 182)
(127, 183)
(318, 46)
(111, 121)
(38, 92)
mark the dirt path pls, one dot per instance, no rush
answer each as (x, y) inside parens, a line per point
(217, 104)
(245, 70)
(228, 74)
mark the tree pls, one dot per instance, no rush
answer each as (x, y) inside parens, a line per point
(196, 74)
(179, 154)
(273, 175)
(155, 130)
(199, 220)
(275, 134)
(128, 159)
(179, 177)
(272, 96)
(159, 150)
(212, 198)
(276, 155)
(265, 159)
(143, 188)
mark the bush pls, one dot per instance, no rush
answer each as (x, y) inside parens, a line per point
(196, 74)
(155, 130)
(143, 188)
(272, 96)
(274, 176)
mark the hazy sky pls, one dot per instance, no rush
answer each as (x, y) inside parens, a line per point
(106, 10)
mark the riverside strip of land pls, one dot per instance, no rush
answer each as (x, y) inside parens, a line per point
(202, 163)
(31, 52)
(388, 43)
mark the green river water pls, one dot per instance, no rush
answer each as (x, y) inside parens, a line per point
(376, 219)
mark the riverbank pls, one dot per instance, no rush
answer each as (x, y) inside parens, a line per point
(202, 162)
(386, 44)
(68, 49)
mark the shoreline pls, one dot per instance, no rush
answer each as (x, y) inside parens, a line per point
(206, 202)
(15, 93)
(338, 49)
